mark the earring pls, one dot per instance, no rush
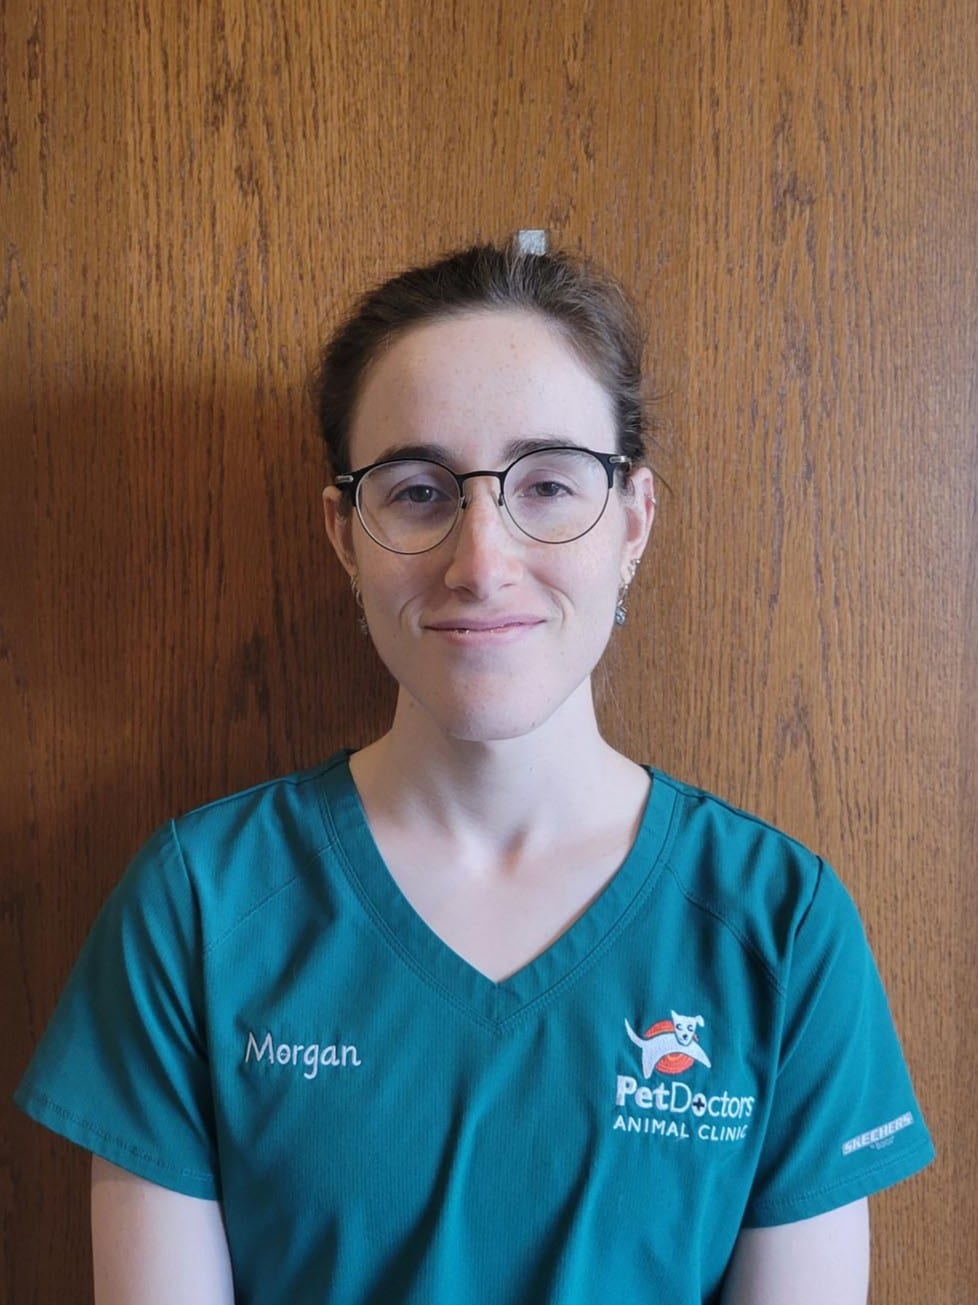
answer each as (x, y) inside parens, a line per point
(621, 607)
(358, 599)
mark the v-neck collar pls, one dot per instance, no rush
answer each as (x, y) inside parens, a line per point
(420, 948)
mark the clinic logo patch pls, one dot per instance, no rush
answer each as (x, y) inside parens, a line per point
(669, 1108)
(670, 1046)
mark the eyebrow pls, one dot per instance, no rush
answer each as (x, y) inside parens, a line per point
(442, 453)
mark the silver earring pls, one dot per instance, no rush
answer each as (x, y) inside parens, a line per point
(358, 599)
(621, 607)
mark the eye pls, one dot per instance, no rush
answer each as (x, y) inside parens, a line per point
(543, 483)
(546, 489)
(555, 478)
(419, 493)
(407, 487)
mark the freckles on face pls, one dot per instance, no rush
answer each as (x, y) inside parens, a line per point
(490, 631)
(475, 382)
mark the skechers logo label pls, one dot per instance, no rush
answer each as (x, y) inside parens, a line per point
(309, 1056)
(878, 1137)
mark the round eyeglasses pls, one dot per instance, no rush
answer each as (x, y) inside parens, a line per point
(554, 495)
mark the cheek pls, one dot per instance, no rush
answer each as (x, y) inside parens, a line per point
(598, 571)
(391, 584)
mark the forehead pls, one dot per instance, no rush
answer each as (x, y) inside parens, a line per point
(475, 384)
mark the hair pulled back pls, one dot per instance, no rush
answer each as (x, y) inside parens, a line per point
(588, 307)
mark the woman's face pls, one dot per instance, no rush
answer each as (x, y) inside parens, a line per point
(490, 632)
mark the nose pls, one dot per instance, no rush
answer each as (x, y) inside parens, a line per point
(486, 555)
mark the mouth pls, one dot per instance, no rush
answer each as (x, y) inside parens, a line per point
(498, 625)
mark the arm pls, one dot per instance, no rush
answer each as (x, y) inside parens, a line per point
(151, 1246)
(820, 1261)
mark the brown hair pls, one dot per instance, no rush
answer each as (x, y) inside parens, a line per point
(588, 307)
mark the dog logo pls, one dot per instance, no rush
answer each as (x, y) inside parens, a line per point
(670, 1046)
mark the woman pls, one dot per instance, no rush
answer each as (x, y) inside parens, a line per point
(486, 1012)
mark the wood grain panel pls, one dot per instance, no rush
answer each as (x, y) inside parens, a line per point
(831, 437)
(190, 194)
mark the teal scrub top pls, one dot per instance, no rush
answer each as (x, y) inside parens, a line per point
(260, 1017)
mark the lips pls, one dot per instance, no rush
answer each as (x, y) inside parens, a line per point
(483, 625)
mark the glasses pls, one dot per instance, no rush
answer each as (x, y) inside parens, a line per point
(553, 495)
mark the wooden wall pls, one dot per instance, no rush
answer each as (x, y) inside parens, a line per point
(189, 194)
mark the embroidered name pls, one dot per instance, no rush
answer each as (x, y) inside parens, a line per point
(310, 1056)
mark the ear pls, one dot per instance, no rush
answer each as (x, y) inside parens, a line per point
(338, 518)
(639, 515)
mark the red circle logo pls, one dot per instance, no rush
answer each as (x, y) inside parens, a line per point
(674, 1062)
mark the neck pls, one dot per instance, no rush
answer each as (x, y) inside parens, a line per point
(502, 788)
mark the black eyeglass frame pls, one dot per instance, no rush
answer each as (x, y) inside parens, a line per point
(349, 482)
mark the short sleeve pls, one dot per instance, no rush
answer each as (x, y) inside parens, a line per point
(844, 1121)
(122, 1069)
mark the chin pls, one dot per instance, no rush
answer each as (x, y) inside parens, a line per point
(492, 723)
(489, 731)
(494, 718)
(493, 700)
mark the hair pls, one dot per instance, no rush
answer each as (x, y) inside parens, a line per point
(588, 307)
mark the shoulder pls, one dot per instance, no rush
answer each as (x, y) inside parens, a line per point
(223, 860)
(264, 816)
(752, 879)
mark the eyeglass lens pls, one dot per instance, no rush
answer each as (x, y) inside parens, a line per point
(554, 496)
